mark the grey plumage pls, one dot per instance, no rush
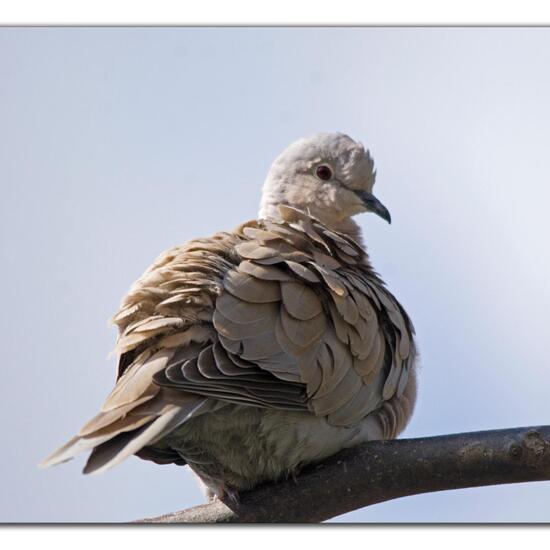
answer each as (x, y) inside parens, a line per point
(254, 352)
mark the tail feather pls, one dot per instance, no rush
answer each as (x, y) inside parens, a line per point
(80, 444)
(115, 450)
(72, 448)
(109, 449)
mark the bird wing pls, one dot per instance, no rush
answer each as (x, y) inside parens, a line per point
(282, 314)
(305, 306)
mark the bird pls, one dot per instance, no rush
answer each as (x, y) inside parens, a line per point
(258, 351)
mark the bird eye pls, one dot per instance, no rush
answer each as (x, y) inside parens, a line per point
(323, 172)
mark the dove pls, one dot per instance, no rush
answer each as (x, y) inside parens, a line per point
(255, 352)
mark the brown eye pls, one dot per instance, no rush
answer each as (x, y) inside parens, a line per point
(323, 172)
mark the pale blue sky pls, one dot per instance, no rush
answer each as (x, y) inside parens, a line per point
(118, 143)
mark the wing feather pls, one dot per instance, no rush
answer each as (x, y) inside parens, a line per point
(282, 313)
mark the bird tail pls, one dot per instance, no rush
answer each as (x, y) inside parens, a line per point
(111, 448)
(137, 413)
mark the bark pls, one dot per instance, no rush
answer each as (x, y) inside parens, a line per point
(384, 470)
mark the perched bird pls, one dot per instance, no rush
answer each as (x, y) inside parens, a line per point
(252, 353)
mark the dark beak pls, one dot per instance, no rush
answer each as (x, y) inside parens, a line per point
(372, 204)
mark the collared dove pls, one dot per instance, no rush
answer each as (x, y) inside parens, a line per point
(252, 353)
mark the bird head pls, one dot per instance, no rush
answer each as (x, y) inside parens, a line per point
(330, 176)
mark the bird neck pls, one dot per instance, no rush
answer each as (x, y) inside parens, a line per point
(347, 226)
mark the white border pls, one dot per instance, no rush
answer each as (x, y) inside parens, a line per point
(270, 537)
(250, 12)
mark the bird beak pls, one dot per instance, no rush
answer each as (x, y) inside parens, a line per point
(372, 204)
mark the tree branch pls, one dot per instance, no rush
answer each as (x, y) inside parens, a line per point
(384, 470)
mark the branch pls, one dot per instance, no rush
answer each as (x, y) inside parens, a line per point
(384, 470)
